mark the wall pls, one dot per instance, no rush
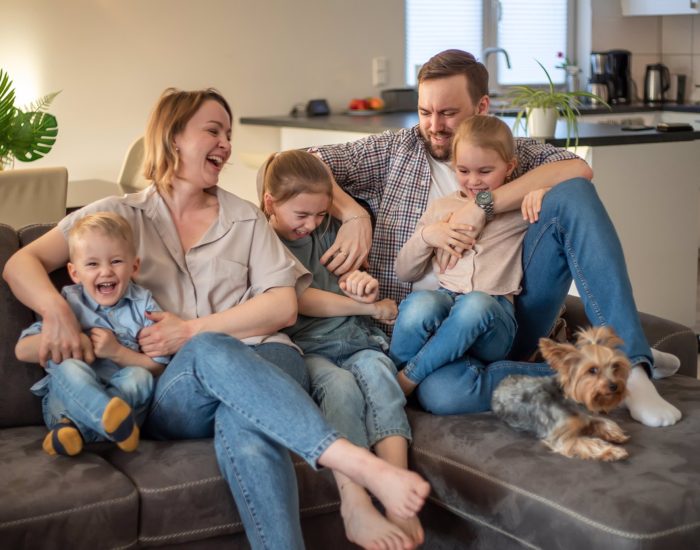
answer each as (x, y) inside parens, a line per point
(673, 40)
(112, 58)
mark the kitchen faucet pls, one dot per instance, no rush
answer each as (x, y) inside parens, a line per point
(488, 51)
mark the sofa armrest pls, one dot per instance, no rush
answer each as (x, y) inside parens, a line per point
(662, 334)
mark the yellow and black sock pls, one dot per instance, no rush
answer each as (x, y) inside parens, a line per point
(63, 439)
(118, 422)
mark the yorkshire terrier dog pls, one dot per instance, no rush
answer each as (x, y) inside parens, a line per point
(562, 410)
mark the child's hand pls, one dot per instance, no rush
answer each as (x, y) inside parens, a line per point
(86, 346)
(104, 343)
(360, 286)
(532, 204)
(385, 310)
(454, 238)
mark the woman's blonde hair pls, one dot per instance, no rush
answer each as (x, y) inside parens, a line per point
(487, 132)
(291, 173)
(108, 224)
(171, 114)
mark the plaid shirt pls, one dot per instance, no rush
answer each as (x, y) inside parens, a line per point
(391, 173)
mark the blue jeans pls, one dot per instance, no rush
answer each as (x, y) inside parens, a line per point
(78, 391)
(573, 239)
(252, 402)
(383, 402)
(436, 327)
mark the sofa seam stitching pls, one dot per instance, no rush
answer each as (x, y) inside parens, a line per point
(543, 500)
(672, 335)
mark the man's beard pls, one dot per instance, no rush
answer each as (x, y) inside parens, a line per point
(443, 152)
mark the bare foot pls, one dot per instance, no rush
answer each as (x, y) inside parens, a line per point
(402, 492)
(411, 526)
(405, 383)
(364, 525)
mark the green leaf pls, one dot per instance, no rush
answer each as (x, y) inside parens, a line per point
(33, 135)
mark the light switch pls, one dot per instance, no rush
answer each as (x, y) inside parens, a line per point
(380, 71)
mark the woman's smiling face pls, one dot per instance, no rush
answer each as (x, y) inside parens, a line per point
(204, 145)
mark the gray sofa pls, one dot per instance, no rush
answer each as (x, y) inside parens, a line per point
(492, 488)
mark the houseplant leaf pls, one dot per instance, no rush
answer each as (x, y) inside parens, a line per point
(33, 135)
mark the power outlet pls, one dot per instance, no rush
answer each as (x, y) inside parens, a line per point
(380, 71)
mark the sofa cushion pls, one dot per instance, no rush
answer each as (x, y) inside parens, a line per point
(60, 502)
(488, 474)
(18, 407)
(184, 497)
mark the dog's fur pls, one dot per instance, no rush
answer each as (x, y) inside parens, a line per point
(562, 410)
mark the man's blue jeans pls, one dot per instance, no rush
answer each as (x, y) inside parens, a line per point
(573, 239)
(252, 402)
(436, 327)
(80, 392)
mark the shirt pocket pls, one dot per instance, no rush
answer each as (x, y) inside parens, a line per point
(228, 283)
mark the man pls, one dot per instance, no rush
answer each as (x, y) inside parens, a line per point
(397, 173)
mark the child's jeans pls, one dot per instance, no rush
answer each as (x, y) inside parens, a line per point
(437, 327)
(78, 391)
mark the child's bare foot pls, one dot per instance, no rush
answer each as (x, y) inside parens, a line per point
(405, 383)
(411, 526)
(364, 525)
(402, 492)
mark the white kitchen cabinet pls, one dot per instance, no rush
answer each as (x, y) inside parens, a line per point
(660, 7)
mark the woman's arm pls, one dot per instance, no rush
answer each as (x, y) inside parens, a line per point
(265, 313)
(26, 272)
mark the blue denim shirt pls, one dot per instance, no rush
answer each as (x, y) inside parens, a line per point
(125, 319)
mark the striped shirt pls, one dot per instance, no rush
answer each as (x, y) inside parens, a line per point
(391, 174)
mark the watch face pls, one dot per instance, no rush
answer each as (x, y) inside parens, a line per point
(483, 197)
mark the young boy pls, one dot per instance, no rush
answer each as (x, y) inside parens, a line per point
(106, 396)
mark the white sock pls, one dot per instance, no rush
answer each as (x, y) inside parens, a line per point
(665, 364)
(644, 402)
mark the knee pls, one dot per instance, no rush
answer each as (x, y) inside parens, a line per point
(72, 367)
(136, 385)
(575, 194)
(338, 391)
(475, 306)
(421, 304)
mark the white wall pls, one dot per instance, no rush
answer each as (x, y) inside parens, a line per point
(673, 40)
(112, 59)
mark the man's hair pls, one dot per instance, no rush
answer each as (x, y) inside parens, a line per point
(455, 62)
(487, 132)
(109, 224)
(292, 173)
(171, 114)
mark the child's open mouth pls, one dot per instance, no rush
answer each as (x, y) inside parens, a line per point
(106, 288)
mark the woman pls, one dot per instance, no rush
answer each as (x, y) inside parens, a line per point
(227, 287)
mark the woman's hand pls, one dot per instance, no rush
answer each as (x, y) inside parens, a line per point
(104, 343)
(351, 247)
(166, 336)
(360, 286)
(532, 204)
(61, 337)
(385, 310)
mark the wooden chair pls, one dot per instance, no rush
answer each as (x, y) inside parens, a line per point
(131, 179)
(33, 195)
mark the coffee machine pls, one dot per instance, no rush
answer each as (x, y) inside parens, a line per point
(617, 71)
(599, 83)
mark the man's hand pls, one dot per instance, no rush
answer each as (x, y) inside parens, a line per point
(360, 286)
(532, 204)
(166, 336)
(351, 247)
(385, 310)
(105, 343)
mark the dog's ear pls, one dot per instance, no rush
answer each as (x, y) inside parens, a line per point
(556, 354)
(601, 336)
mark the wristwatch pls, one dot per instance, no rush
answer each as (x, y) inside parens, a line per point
(484, 200)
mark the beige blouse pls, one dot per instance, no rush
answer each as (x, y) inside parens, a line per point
(493, 266)
(239, 257)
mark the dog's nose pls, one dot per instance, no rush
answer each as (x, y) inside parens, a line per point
(613, 387)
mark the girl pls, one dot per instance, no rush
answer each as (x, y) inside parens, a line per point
(334, 325)
(473, 310)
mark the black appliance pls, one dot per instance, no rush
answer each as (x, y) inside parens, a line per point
(617, 71)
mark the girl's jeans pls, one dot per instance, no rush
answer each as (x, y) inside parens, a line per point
(573, 239)
(436, 327)
(252, 402)
(80, 392)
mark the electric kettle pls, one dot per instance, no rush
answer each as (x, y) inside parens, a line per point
(657, 81)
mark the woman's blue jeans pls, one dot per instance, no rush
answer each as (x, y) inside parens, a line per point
(80, 392)
(574, 239)
(436, 327)
(252, 402)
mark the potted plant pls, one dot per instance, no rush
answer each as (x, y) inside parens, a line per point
(542, 106)
(25, 134)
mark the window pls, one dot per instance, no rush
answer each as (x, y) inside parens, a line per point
(526, 29)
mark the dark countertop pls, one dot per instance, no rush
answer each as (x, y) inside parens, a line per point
(590, 134)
